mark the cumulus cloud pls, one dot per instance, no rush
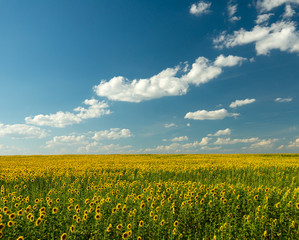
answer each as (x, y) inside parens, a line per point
(169, 82)
(99, 148)
(228, 141)
(263, 18)
(70, 140)
(21, 131)
(288, 12)
(210, 115)
(280, 35)
(226, 131)
(61, 119)
(229, 61)
(232, 9)
(179, 147)
(204, 141)
(113, 133)
(239, 103)
(264, 143)
(293, 144)
(200, 8)
(180, 139)
(283, 99)
(268, 5)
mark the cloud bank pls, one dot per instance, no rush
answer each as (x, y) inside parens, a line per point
(166, 83)
(280, 35)
(210, 115)
(61, 119)
(200, 8)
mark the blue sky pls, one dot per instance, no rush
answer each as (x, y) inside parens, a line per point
(104, 77)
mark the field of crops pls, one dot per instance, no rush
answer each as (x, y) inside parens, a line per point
(149, 197)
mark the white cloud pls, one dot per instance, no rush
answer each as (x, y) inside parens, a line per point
(228, 141)
(99, 148)
(113, 133)
(166, 83)
(191, 147)
(61, 119)
(210, 148)
(239, 103)
(12, 150)
(262, 18)
(169, 125)
(204, 141)
(280, 147)
(188, 124)
(21, 131)
(200, 8)
(232, 9)
(268, 5)
(229, 61)
(280, 35)
(210, 115)
(226, 131)
(293, 144)
(202, 71)
(69, 141)
(288, 12)
(180, 139)
(283, 99)
(264, 143)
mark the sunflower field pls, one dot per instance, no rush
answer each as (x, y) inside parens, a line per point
(238, 196)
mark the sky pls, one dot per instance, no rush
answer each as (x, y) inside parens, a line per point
(171, 76)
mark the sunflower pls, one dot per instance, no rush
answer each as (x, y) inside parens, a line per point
(119, 226)
(72, 228)
(162, 222)
(54, 210)
(2, 226)
(20, 238)
(113, 210)
(78, 220)
(118, 206)
(98, 216)
(63, 236)
(155, 217)
(124, 208)
(129, 226)
(43, 209)
(85, 216)
(109, 228)
(125, 235)
(142, 205)
(139, 238)
(176, 223)
(10, 224)
(12, 216)
(141, 223)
